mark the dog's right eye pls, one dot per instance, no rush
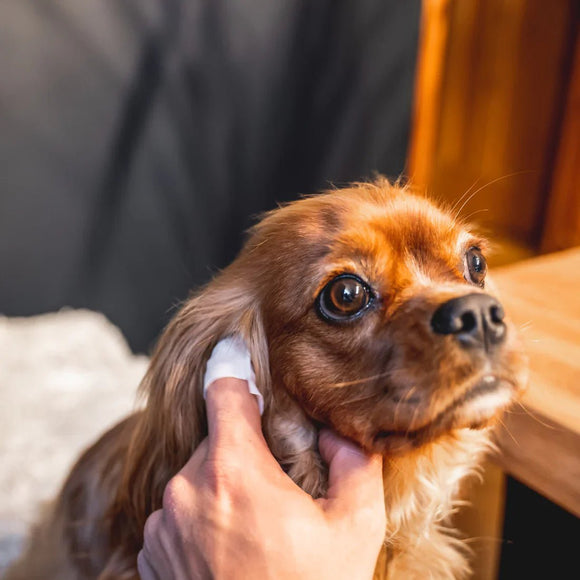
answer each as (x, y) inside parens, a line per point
(344, 298)
(476, 266)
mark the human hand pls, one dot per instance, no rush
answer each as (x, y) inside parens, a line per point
(232, 512)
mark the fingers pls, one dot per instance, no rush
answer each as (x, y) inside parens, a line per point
(355, 479)
(233, 414)
(152, 552)
(146, 571)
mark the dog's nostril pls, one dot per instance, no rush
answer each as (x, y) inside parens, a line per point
(469, 322)
(497, 313)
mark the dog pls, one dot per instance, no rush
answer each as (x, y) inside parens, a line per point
(365, 309)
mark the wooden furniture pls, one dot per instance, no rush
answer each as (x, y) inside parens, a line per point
(540, 443)
(562, 225)
(497, 113)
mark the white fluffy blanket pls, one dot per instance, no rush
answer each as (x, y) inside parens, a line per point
(64, 378)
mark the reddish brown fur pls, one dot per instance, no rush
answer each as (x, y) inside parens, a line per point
(386, 372)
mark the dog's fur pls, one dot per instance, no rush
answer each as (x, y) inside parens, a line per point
(385, 380)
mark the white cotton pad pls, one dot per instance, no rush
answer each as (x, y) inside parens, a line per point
(230, 358)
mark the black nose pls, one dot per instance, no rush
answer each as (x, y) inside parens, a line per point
(476, 320)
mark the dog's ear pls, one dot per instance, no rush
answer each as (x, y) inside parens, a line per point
(173, 384)
(173, 422)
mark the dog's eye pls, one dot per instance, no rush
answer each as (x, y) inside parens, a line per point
(343, 298)
(476, 266)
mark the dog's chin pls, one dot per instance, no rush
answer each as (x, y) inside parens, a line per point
(477, 408)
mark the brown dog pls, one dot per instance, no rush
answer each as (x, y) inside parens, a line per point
(364, 309)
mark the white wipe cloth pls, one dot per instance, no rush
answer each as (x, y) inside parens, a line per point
(230, 358)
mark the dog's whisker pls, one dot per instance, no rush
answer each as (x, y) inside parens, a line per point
(356, 400)
(397, 407)
(264, 241)
(535, 417)
(466, 201)
(402, 400)
(410, 393)
(488, 184)
(462, 197)
(469, 216)
(509, 432)
(360, 381)
(487, 539)
(412, 423)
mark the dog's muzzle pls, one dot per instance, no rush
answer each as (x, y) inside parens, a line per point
(475, 321)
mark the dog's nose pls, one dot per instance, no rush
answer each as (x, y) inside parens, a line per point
(476, 320)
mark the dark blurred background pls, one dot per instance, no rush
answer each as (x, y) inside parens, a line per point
(140, 138)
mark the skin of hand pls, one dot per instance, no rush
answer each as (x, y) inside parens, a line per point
(232, 512)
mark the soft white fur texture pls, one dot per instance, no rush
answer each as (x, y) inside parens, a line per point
(64, 377)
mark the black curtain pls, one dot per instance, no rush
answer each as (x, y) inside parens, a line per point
(140, 138)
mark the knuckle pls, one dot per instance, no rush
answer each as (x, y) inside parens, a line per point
(142, 564)
(176, 495)
(152, 524)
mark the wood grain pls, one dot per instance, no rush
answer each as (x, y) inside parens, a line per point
(541, 442)
(435, 22)
(491, 76)
(562, 227)
(481, 520)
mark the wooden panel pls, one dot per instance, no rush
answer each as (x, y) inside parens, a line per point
(489, 104)
(435, 21)
(541, 445)
(543, 455)
(481, 521)
(562, 229)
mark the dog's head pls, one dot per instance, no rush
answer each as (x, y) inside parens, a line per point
(368, 307)
(379, 319)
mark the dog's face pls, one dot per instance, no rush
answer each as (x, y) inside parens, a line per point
(379, 319)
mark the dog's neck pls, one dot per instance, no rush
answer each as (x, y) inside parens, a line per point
(421, 493)
(425, 482)
(421, 489)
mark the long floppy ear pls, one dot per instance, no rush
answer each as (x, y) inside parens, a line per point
(173, 422)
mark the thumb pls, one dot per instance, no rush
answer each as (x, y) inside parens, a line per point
(232, 414)
(355, 479)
